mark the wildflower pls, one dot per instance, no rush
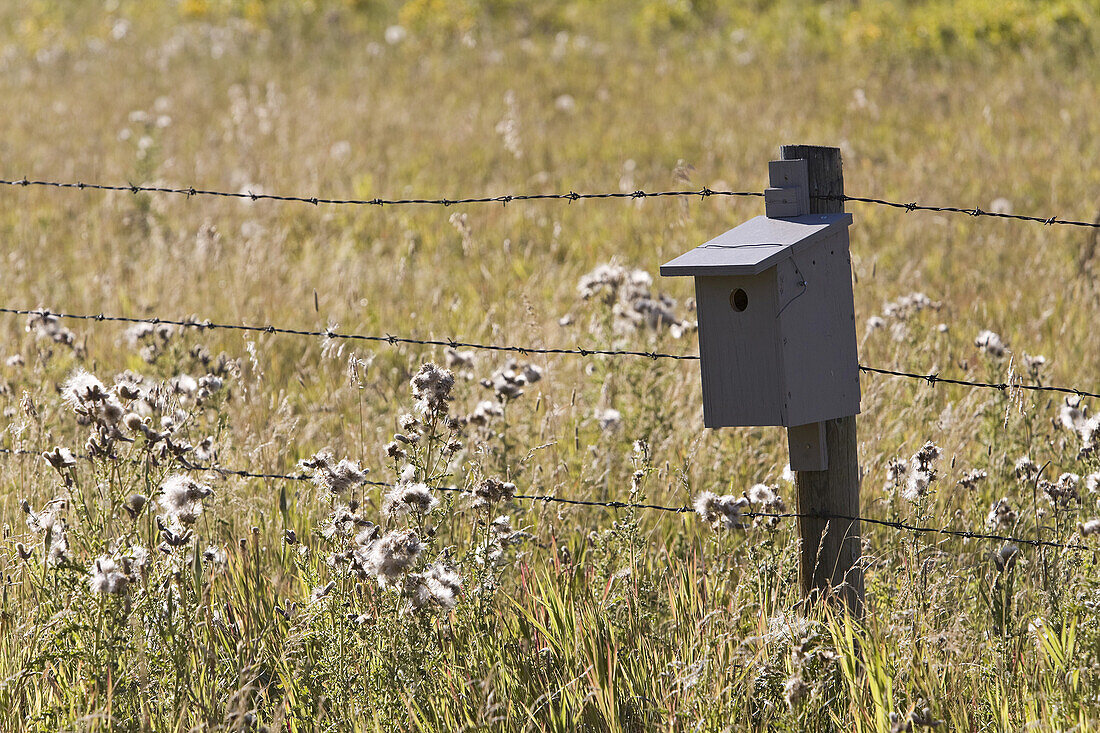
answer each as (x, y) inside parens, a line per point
(1072, 414)
(137, 558)
(459, 359)
(60, 458)
(1092, 482)
(896, 469)
(15, 360)
(1089, 432)
(406, 498)
(720, 511)
(503, 533)
(88, 398)
(106, 577)
(438, 584)
(908, 305)
(395, 451)
(215, 556)
(134, 504)
(762, 494)
(431, 386)
(205, 450)
(391, 556)
(972, 478)
(184, 384)
(408, 423)
(874, 323)
(922, 471)
(48, 326)
(609, 419)
(1092, 526)
(917, 484)
(58, 552)
(1002, 515)
(491, 491)
(767, 500)
(508, 381)
(335, 478)
(321, 592)
(1005, 557)
(485, 411)
(1025, 469)
(1062, 493)
(795, 691)
(173, 533)
(990, 343)
(1034, 364)
(181, 498)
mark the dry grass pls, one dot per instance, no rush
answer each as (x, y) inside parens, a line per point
(599, 620)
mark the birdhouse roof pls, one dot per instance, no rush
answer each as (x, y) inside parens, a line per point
(756, 245)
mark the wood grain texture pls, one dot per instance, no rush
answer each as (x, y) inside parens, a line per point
(817, 331)
(740, 362)
(829, 556)
(829, 565)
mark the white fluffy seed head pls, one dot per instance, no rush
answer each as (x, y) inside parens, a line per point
(106, 577)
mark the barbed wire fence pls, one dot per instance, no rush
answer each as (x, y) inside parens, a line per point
(505, 199)
(931, 379)
(551, 499)
(330, 333)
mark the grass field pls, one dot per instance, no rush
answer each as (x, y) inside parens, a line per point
(140, 594)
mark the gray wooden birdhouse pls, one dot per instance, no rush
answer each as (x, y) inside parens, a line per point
(777, 336)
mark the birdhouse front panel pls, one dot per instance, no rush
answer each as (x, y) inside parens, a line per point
(740, 358)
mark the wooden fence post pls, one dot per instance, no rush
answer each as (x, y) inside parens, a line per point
(831, 548)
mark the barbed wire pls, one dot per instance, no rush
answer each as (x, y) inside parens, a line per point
(551, 499)
(969, 211)
(505, 199)
(934, 379)
(333, 334)
(931, 379)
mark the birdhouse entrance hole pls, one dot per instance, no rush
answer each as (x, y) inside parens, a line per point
(739, 300)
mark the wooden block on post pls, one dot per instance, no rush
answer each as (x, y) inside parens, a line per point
(806, 444)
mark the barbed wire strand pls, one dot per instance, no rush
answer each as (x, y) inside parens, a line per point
(551, 499)
(931, 379)
(506, 199)
(503, 199)
(333, 334)
(969, 211)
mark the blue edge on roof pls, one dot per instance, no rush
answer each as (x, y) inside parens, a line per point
(756, 245)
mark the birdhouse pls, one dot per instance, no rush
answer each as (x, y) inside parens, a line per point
(777, 334)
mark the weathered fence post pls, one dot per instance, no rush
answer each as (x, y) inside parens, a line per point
(831, 548)
(777, 346)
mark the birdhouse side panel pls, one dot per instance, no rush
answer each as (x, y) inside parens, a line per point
(738, 345)
(818, 342)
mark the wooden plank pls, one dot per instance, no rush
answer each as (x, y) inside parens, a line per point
(816, 323)
(740, 364)
(790, 191)
(756, 245)
(806, 446)
(830, 548)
